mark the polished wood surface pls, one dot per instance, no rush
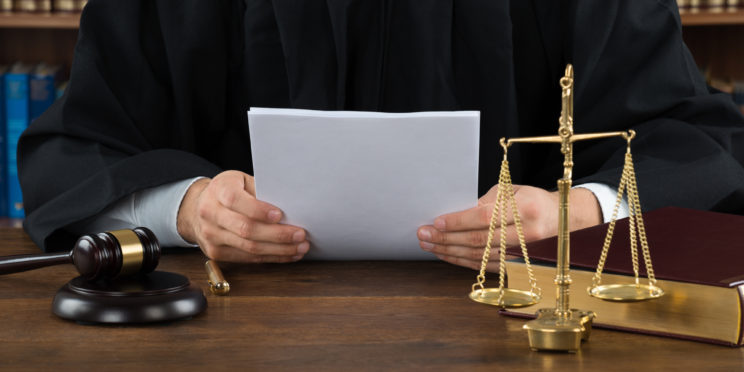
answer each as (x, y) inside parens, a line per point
(696, 17)
(40, 20)
(712, 17)
(314, 316)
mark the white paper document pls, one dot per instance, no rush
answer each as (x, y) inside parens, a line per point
(361, 183)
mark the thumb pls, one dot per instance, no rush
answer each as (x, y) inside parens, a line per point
(249, 184)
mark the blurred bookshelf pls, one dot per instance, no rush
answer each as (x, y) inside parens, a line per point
(712, 16)
(715, 36)
(38, 37)
(40, 20)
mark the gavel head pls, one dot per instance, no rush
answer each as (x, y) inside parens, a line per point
(116, 254)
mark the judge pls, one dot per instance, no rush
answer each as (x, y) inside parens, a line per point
(152, 128)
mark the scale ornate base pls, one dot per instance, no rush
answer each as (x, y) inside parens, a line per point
(155, 297)
(549, 331)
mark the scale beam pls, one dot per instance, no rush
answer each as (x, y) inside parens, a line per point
(573, 138)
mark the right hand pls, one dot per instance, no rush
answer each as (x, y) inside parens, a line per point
(223, 216)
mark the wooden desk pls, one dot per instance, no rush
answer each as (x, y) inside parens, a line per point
(314, 316)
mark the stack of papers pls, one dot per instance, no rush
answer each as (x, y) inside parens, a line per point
(361, 183)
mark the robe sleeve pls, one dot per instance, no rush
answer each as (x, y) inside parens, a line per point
(115, 130)
(634, 71)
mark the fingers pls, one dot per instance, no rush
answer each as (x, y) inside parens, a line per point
(230, 193)
(256, 230)
(232, 225)
(229, 253)
(492, 266)
(222, 245)
(474, 238)
(255, 247)
(470, 219)
(468, 253)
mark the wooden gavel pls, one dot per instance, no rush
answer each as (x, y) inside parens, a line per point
(106, 255)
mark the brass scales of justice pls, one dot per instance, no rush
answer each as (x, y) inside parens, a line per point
(562, 328)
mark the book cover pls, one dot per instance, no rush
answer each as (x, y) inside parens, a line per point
(17, 119)
(42, 89)
(6, 6)
(3, 170)
(697, 258)
(65, 5)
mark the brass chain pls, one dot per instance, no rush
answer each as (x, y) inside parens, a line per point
(632, 185)
(632, 213)
(504, 187)
(481, 278)
(597, 279)
(535, 291)
(504, 195)
(635, 220)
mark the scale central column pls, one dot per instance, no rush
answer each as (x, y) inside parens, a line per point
(563, 273)
(561, 328)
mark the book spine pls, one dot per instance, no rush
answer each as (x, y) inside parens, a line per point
(64, 5)
(44, 6)
(17, 119)
(3, 168)
(25, 6)
(741, 314)
(42, 93)
(738, 95)
(6, 6)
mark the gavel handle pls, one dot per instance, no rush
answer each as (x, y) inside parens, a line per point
(24, 262)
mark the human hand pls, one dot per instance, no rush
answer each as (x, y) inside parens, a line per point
(460, 237)
(224, 218)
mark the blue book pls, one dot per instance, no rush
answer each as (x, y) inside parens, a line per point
(3, 168)
(42, 89)
(17, 112)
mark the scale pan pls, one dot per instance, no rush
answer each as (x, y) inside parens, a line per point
(511, 298)
(626, 292)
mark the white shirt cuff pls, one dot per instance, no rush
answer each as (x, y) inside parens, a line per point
(155, 208)
(606, 197)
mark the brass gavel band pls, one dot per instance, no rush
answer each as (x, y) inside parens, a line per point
(132, 252)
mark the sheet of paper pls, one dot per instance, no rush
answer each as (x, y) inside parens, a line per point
(361, 183)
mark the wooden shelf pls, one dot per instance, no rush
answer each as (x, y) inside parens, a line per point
(707, 17)
(40, 21)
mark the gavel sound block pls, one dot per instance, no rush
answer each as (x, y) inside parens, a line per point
(117, 282)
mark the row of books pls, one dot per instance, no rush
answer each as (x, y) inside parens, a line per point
(713, 4)
(27, 91)
(733, 87)
(42, 6)
(738, 94)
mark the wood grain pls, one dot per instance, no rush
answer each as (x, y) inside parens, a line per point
(712, 17)
(40, 20)
(313, 316)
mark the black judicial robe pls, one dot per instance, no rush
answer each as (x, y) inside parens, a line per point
(159, 92)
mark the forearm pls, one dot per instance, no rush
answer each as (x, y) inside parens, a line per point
(155, 208)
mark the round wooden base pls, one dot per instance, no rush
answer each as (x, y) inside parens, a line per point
(155, 297)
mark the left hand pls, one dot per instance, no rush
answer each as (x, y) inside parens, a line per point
(461, 237)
